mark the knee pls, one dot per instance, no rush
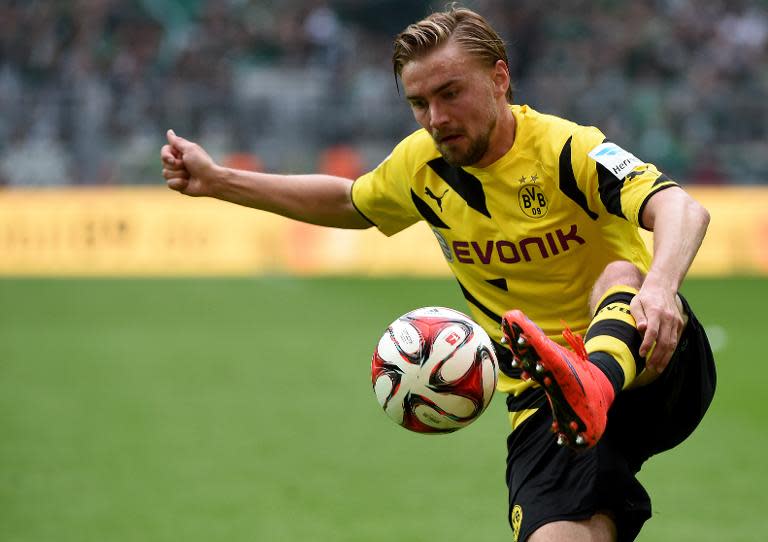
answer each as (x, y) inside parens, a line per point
(621, 273)
(618, 273)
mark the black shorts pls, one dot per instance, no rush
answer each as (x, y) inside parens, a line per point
(548, 482)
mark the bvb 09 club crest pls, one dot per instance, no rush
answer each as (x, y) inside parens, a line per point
(532, 200)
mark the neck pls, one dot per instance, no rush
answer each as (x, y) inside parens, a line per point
(502, 137)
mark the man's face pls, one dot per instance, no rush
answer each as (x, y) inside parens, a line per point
(452, 95)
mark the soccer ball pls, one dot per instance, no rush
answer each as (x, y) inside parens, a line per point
(434, 370)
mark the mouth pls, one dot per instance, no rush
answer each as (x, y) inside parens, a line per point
(448, 139)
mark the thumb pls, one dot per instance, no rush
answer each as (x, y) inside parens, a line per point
(175, 141)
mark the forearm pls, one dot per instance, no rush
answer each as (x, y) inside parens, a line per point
(318, 199)
(679, 224)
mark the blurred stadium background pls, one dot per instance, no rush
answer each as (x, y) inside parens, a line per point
(88, 87)
(198, 375)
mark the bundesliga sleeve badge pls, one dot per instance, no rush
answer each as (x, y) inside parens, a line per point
(615, 159)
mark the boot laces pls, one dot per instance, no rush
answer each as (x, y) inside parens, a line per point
(576, 342)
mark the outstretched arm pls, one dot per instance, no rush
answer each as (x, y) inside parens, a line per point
(318, 199)
(679, 223)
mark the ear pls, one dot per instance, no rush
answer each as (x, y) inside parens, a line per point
(500, 78)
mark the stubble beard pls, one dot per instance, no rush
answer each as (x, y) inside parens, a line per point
(478, 147)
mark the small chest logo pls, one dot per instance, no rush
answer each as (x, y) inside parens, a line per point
(531, 198)
(438, 199)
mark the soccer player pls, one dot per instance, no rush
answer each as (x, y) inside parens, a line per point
(535, 214)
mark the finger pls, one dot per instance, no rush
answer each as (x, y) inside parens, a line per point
(175, 174)
(666, 344)
(177, 165)
(662, 351)
(178, 184)
(638, 313)
(168, 157)
(661, 356)
(654, 363)
(650, 335)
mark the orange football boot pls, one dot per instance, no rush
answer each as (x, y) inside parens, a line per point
(578, 392)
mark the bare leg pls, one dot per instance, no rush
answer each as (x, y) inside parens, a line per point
(598, 528)
(619, 273)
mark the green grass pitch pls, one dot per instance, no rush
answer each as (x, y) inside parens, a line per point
(242, 410)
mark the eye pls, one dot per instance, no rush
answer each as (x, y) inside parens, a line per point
(418, 104)
(450, 94)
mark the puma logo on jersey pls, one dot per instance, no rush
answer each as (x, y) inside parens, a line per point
(438, 199)
(635, 172)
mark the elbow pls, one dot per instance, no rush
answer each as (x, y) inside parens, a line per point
(706, 217)
(703, 216)
(699, 217)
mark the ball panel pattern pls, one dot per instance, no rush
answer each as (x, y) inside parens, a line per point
(434, 370)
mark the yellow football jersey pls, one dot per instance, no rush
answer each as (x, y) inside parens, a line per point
(531, 231)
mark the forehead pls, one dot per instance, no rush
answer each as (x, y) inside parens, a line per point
(449, 62)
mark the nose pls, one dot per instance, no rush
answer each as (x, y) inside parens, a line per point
(438, 116)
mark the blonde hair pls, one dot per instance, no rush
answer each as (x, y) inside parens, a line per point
(470, 30)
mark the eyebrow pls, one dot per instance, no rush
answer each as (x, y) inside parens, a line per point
(437, 90)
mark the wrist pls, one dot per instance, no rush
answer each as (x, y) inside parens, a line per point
(662, 280)
(219, 181)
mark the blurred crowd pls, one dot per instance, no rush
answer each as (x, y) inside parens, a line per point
(88, 87)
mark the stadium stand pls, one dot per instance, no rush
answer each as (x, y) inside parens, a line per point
(88, 87)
